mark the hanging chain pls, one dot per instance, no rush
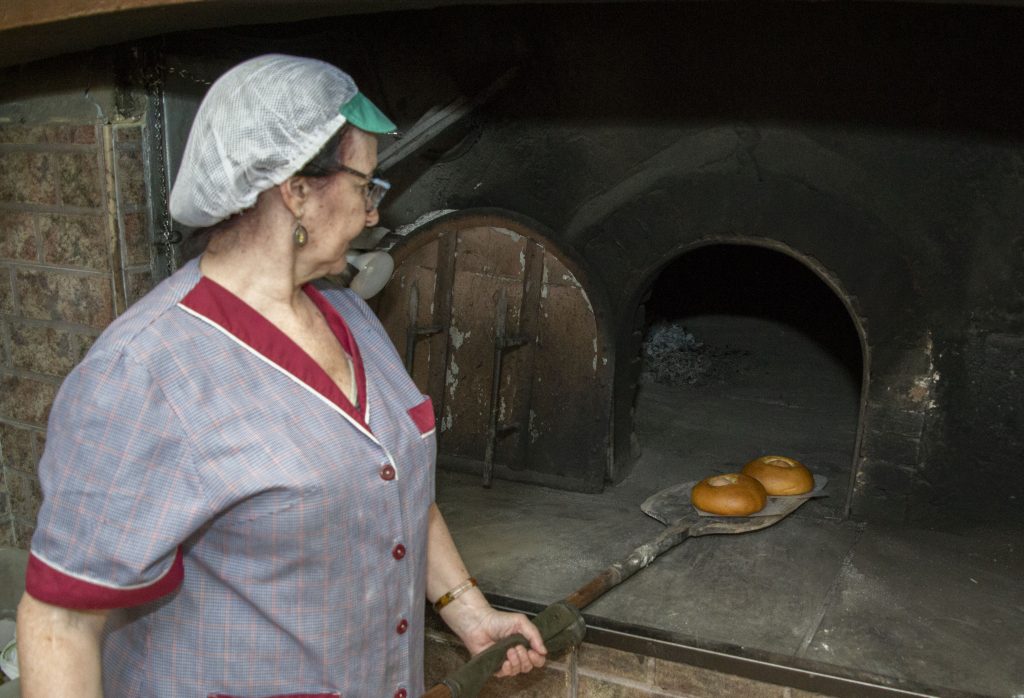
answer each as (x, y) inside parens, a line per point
(168, 237)
(186, 74)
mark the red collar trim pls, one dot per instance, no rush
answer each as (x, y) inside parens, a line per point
(221, 307)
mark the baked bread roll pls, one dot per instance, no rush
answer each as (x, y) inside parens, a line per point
(729, 495)
(780, 475)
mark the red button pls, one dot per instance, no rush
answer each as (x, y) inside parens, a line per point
(400, 693)
(387, 472)
(398, 552)
(403, 625)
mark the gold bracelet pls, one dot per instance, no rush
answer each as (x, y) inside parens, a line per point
(454, 594)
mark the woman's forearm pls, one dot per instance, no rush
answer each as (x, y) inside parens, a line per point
(59, 650)
(445, 567)
(445, 571)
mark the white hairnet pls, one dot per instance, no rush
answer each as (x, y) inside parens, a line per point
(259, 124)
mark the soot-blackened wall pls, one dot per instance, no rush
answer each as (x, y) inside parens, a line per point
(881, 143)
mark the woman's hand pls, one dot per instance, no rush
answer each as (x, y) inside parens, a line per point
(480, 626)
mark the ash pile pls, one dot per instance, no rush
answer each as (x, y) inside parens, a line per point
(672, 355)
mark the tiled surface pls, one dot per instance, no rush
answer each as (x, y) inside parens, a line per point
(28, 178)
(21, 447)
(42, 348)
(80, 178)
(138, 284)
(6, 291)
(26, 400)
(130, 179)
(61, 265)
(22, 533)
(50, 134)
(85, 299)
(137, 247)
(79, 241)
(24, 493)
(17, 236)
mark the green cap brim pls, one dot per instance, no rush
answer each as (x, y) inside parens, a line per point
(364, 114)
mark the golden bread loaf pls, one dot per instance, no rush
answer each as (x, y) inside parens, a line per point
(780, 475)
(734, 494)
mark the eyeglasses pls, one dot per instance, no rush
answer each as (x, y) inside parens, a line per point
(375, 187)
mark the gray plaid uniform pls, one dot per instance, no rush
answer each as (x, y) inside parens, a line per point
(261, 535)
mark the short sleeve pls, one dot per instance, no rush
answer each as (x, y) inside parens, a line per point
(120, 491)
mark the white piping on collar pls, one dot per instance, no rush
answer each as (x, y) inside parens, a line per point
(305, 386)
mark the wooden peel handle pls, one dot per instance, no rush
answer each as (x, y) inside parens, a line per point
(620, 571)
(560, 625)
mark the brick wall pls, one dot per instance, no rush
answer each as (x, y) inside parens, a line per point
(73, 255)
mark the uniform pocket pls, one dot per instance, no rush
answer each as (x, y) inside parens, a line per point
(423, 417)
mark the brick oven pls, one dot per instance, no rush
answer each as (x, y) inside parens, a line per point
(635, 243)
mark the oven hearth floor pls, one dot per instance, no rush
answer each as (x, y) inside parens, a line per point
(939, 610)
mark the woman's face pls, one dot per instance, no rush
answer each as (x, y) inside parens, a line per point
(336, 212)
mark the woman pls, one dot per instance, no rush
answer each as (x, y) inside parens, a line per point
(241, 466)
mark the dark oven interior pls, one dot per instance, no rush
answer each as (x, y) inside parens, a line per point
(637, 244)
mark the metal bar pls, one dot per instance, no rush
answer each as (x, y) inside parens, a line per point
(410, 332)
(440, 346)
(502, 343)
(413, 331)
(501, 309)
(529, 320)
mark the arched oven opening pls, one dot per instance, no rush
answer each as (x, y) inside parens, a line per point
(746, 351)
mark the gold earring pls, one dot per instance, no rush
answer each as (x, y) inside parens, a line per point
(300, 235)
